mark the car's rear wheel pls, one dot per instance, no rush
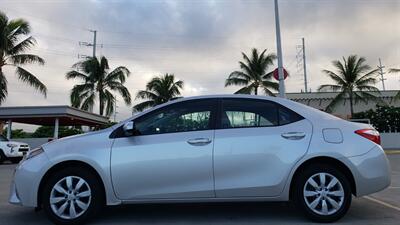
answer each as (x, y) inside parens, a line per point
(72, 196)
(323, 193)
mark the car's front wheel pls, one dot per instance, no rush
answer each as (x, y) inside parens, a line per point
(71, 196)
(323, 193)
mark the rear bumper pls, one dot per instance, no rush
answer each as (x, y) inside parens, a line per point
(371, 171)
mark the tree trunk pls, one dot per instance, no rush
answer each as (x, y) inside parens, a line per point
(351, 104)
(101, 103)
(255, 90)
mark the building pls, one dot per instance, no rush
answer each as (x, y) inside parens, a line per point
(320, 100)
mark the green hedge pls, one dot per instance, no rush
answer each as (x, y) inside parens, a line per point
(383, 118)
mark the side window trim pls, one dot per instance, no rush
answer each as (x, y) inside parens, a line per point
(117, 133)
(279, 106)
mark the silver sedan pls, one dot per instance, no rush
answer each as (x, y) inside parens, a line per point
(207, 149)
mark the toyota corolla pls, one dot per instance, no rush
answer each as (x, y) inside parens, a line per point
(223, 148)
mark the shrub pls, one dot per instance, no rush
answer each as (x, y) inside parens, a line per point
(383, 118)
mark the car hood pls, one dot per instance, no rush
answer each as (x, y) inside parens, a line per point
(74, 138)
(14, 142)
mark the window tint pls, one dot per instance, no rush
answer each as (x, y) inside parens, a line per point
(179, 117)
(248, 113)
(287, 116)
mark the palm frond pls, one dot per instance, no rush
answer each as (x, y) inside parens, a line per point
(122, 90)
(88, 102)
(120, 73)
(22, 59)
(30, 79)
(337, 78)
(144, 105)
(75, 74)
(236, 81)
(332, 87)
(270, 85)
(146, 95)
(245, 90)
(394, 70)
(22, 46)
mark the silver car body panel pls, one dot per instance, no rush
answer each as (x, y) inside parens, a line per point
(187, 174)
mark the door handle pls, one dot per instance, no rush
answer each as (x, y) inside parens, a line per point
(293, 135)
(199, 141)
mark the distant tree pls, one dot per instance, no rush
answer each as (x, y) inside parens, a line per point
(395, 70)
(254, 74)
(17, 133)
(98, 83)
(353, 79)
(14, 41)
(159, 90)
(48, 131)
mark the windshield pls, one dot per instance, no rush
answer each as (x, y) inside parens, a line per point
(2, 138)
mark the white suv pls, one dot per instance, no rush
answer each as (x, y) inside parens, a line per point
(11, 150)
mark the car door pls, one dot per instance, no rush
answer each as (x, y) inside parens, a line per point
(170, 154)
(256, 145)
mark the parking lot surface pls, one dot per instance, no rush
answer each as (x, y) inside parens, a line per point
(379, 208)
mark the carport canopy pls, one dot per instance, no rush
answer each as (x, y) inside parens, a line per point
(56, 116)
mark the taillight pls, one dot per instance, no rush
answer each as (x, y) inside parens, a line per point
(370, 134)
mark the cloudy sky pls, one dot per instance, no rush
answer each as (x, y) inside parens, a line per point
(200, 41)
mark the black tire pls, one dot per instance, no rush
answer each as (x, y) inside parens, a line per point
(298, 193)
(97, 195)
(2, 156)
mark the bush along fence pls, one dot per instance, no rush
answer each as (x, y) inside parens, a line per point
(385, 119)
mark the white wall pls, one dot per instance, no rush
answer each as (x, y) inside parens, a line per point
(390, 140)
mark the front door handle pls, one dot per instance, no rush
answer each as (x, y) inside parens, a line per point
(199, 141)
(293, 135)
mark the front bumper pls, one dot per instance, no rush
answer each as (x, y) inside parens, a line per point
(14, 198)
(371, 171)
(25, 185)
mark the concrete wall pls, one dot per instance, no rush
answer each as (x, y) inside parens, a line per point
(390, 140)
(32, 142)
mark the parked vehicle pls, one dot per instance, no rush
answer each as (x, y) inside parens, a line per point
(12, 150)
(207, 149)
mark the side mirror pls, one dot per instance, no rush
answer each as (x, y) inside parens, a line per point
(129, 128)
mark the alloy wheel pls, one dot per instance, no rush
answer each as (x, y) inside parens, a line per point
(323, 193)
(70, 197)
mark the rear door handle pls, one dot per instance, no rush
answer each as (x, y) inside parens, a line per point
(293, 135)
(199, 141)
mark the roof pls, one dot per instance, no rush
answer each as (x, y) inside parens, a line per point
(331, 95)
(45, 115)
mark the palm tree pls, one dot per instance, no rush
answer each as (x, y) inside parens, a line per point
(97, 83)
(395, 70)
(159, 90)
(353, 80)
(253, 74)
(14, 41)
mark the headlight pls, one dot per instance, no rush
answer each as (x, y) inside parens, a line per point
(11, 145)
(33, 153)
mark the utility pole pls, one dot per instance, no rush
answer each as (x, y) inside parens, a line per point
(304, 65)
(380, 67)
(93, 44)
(282, 93)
